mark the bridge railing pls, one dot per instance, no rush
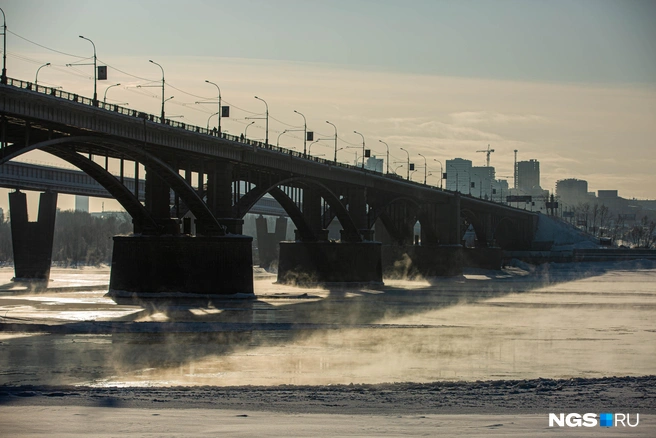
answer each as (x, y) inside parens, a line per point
(56, 92)
(180, 125)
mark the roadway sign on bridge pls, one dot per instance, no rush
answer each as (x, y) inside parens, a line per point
(102, 72)
(518, 198)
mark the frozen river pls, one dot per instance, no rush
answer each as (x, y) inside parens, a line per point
(565, 321)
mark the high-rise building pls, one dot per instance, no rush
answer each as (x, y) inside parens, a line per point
(572, 190)
(500, 190)
(482, 181)
(375, 164)
(82, 203)
(458, 172)
(528, 176)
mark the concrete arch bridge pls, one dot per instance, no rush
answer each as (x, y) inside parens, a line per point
(219, 178)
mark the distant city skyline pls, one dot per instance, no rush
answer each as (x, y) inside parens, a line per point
(570, 84)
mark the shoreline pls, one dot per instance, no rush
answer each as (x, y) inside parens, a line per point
(625, 394)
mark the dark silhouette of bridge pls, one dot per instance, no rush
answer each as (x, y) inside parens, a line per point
(40, 177)
(218, 178)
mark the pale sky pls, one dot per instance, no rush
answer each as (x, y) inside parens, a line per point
(571, 84)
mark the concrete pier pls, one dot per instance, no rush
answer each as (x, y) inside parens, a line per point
(329, 262)
(484, 258)
(144, 266)
(267, 243)
(32, 241)
(410, 261)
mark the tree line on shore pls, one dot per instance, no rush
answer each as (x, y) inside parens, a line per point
(80, 238)
(621, 228)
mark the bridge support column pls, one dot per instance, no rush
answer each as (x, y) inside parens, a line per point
(267, 243)
(320, 262)
(358, 212)
(181, 267)
(308, 263)
(312, 213)
(448, 222)
(485, 255)
(219, 196)
(441, 254)
(158, 200)
(485, 232)
(32, 241)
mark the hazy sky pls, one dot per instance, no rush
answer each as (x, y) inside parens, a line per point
(570, 83)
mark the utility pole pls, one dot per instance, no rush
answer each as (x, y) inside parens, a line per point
(95, 72)
(408, 170)
(333, 125)
(363, 152)
(387, 146)
(304, 133)
(163, 99)
(515, 173)
(266, 135)
(3, 78)
(219, 112)
(425, 167)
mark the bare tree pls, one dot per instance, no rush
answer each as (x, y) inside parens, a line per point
(595, 213)
(604, 215)
(618, 228)
(583, 209)
(648, 227)
(634, 235)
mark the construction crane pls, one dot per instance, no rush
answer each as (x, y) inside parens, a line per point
(488, 152)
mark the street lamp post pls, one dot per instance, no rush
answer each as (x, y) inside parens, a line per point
(163, 100)
(425, 167)
(36, 78)
(208, 120)
(309, 151)
(304, 132)
(106, 89)
(246, 129)
(4, 48)
(95, 72)
(278, 141)
(335, 139)
(266, 139)
(387, 146)
(441, 171)
(408, 174)
(219, 113)
(356, 132)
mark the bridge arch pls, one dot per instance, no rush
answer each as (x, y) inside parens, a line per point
(248, 201)
(134, 152)
(141, 217)
(379, 209)
(416, 214)
(469, 217)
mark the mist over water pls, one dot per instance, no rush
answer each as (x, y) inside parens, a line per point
(559, 321)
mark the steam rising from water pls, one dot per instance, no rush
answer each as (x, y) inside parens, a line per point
(563, 322)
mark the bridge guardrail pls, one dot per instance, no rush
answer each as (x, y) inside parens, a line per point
(175, 124)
